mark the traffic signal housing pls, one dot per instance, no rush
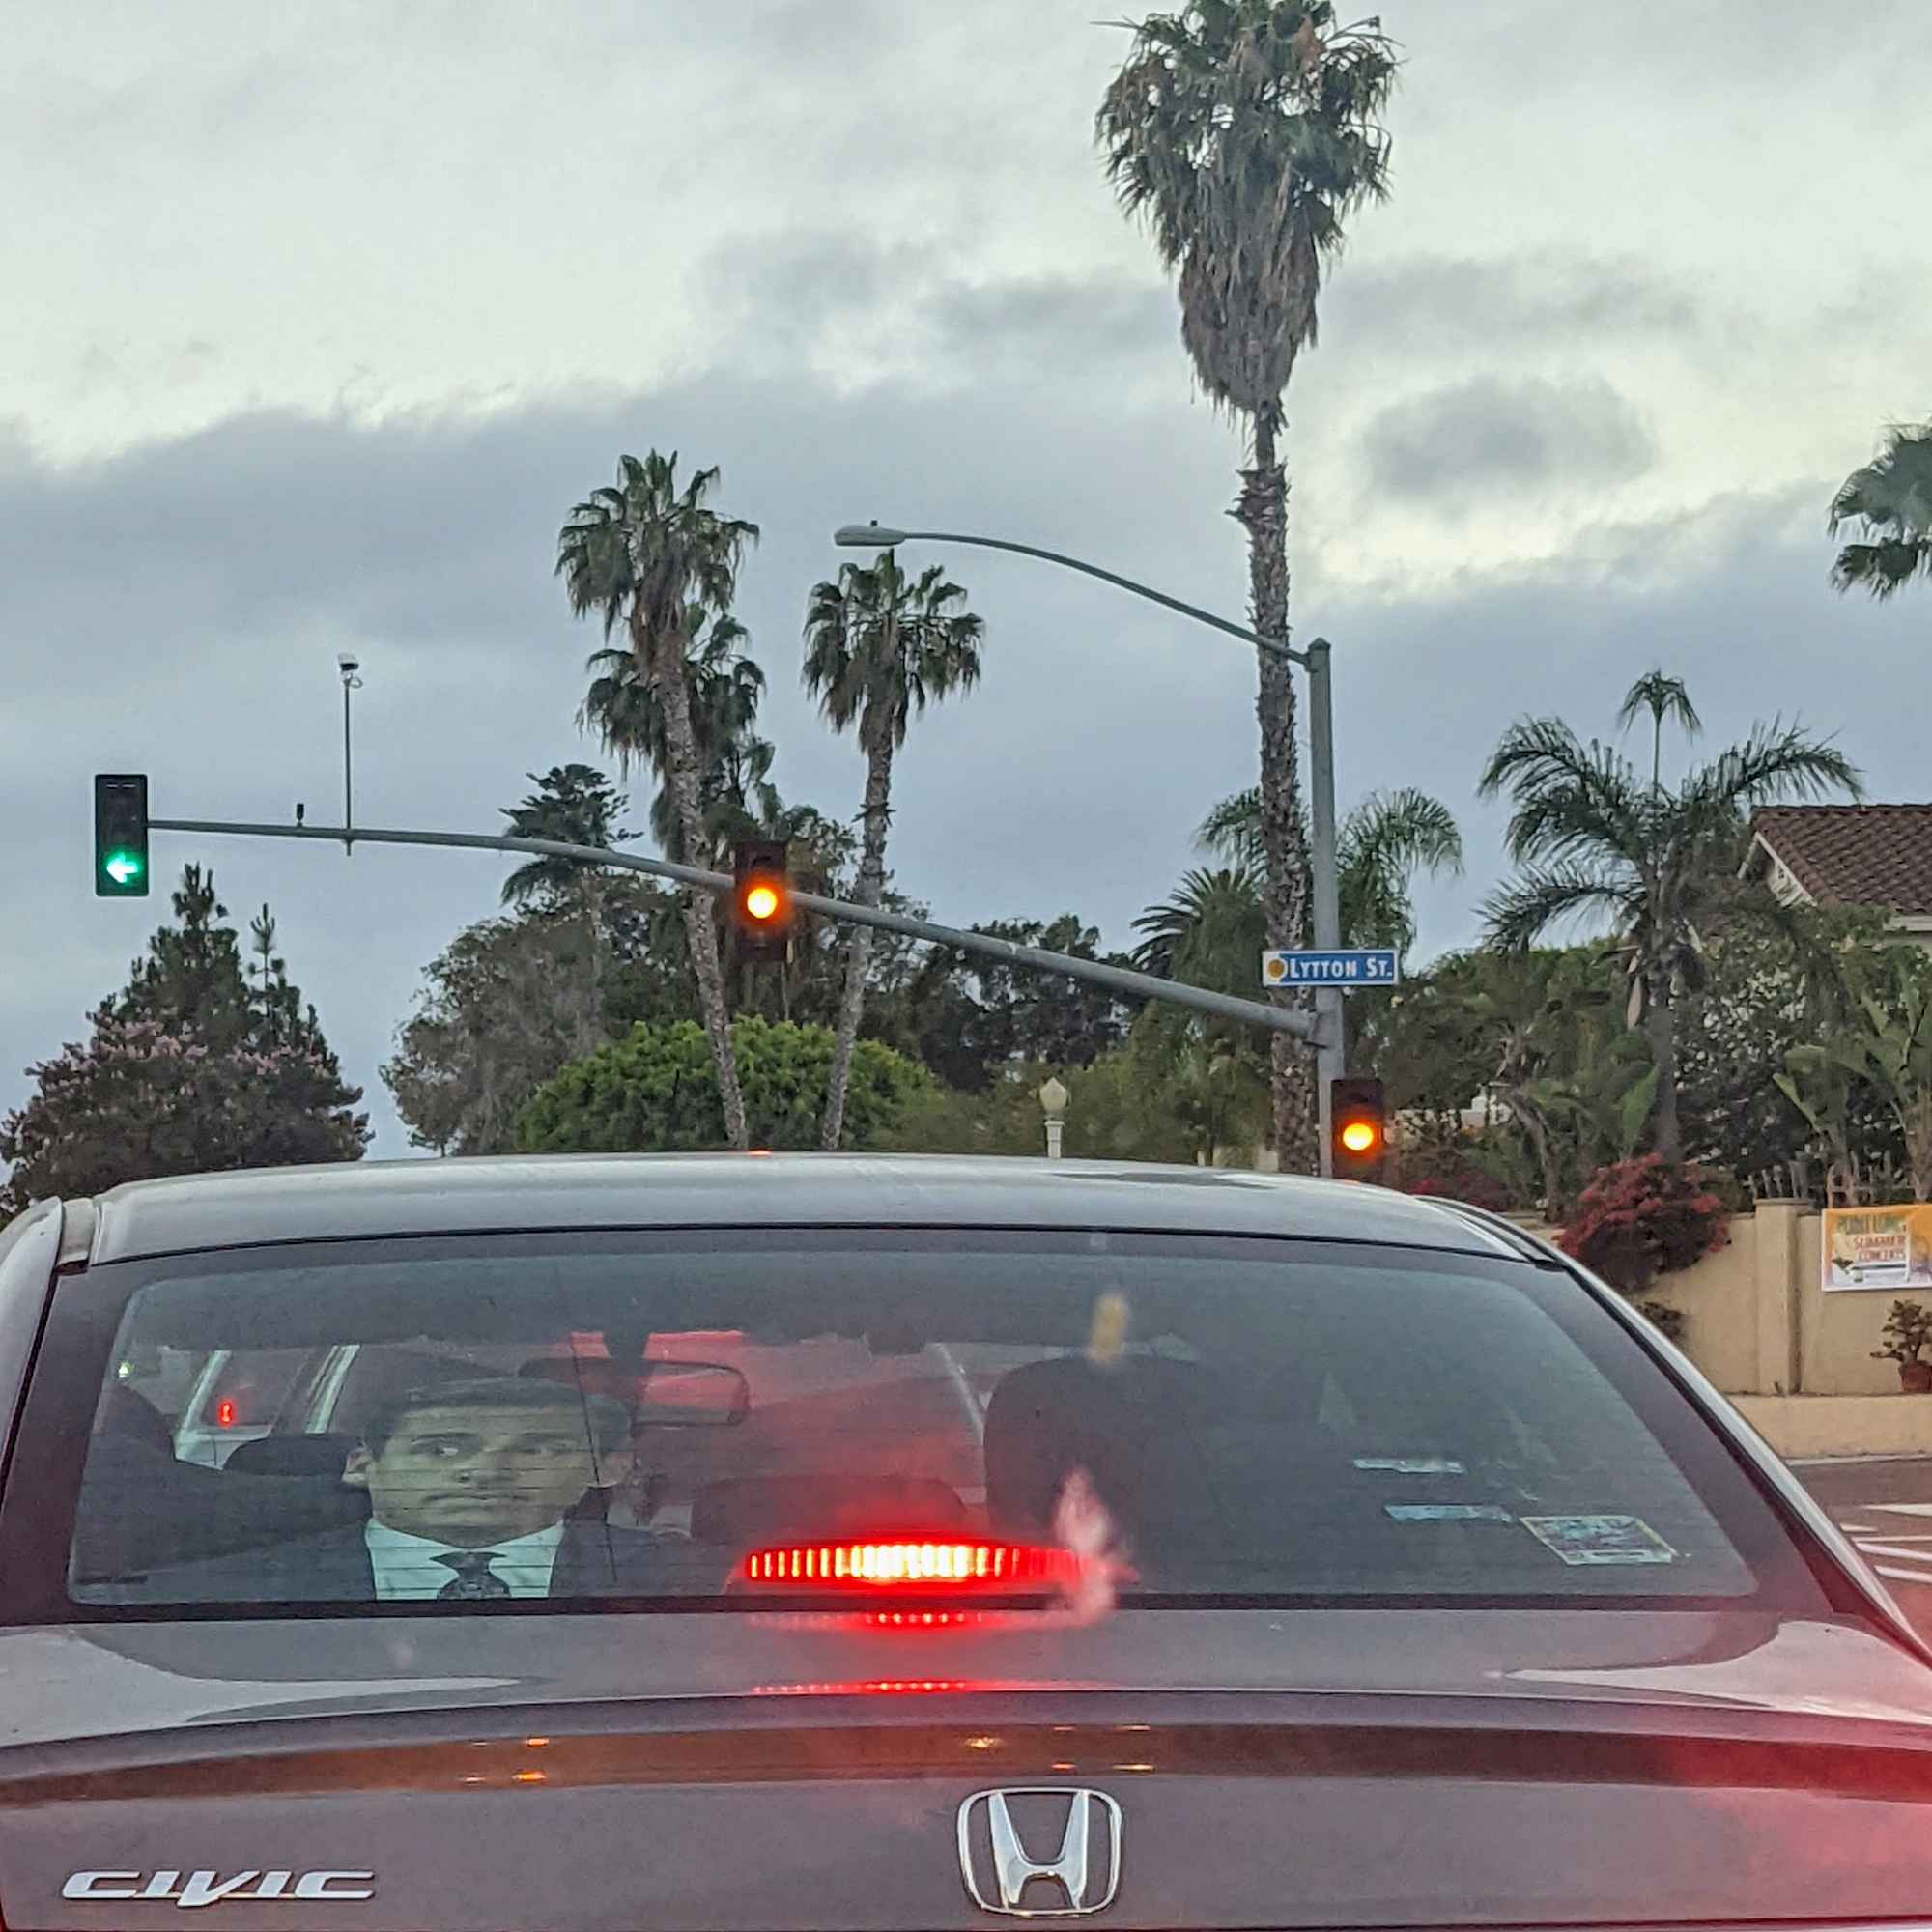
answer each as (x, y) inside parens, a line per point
(121, 835)
(761, 906)
(1357, 1130)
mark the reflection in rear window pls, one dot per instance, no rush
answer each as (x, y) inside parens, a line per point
(764, 1420)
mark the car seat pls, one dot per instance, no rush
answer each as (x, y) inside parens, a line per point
(319, 1458)
(140, 1508)
(1201, 1466)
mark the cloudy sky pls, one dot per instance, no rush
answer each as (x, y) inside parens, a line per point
(319, 316)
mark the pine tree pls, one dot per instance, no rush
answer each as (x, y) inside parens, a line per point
(189, 1068)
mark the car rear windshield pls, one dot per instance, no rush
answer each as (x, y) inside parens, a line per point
(770, 1419)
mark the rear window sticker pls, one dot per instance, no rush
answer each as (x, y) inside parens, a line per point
(1412, 1466)
(1448, 1513)
(1600, 1539)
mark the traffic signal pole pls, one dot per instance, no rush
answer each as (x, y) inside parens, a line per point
(1325, 1035)
(1034, 958)
(1330, 1059)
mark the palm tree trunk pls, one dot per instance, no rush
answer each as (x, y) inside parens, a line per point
(867, 891)
(1262, 511)
(1660, 1023)
(666, 669)
(1534, 1125)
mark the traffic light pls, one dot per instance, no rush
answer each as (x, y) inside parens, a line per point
(761, 901)
(1357, 1128)
(121, 835)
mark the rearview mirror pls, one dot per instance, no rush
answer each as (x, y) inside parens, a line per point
(692, 1395)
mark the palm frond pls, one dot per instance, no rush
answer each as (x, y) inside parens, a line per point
(1244, 132)
(1776, 761)
(1232, 829)
(879, 647)
(1662, 698)
(1570, 798)
(1890, 503)
(1884, 567)
(1893, 491)
(1402, 832)
(1521, 913)
(1210, 933)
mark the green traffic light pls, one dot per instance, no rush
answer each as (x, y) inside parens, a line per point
(120, 835)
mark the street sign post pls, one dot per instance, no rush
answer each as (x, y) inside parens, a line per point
(1359, 966)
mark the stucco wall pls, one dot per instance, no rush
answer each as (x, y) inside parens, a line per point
(1839, 1330)
(1757, 1321)
(1719, 1299)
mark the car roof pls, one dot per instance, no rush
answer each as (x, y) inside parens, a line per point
(581, 1191)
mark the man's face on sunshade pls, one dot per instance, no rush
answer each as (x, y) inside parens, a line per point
(474, 1477)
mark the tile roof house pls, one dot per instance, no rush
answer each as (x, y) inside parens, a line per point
(1876, 858)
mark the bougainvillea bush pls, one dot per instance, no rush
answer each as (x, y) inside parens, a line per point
(1457, 1182)
(1642, 1218)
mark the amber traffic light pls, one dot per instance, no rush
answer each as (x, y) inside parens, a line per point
(1357, 1128)
(762, 900)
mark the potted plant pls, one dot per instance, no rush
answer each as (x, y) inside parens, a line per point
(1907, 1332)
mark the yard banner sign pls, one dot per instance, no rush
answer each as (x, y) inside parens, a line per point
(1878, 1248)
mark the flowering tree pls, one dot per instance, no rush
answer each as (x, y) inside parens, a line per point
(188, 1069)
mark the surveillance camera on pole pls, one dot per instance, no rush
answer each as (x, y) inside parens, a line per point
(349, 664)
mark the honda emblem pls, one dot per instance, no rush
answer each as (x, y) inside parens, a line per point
(1085, 1874)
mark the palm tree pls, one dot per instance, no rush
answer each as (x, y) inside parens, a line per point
(723, 687)
(573, 805)
(1662, 698)
(1245, 133)
(1211, 933)
(643, 555)
(1591, 836)
(1381, 845)
(1890, 501)
(878, 647)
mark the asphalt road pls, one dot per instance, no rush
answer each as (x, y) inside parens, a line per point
(1885, 1506)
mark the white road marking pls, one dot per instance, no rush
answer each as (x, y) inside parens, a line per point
(1904, 1576)
(1894, 1550)
(1900, 1509)
(1861, 1529)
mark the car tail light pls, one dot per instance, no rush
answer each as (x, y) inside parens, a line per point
(920, 1563)
(225, 1412)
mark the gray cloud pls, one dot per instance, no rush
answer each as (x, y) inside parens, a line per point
(873, 270)
(1543, 299)
(178, 611)
(1079, 320)
(1489, 437)
(836, 298)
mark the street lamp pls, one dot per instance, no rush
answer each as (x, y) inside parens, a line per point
(1327, 917)
(1053, 1098)
(349, 664)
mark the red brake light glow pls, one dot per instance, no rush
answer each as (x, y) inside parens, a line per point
(224, 1413)
(902, 1564)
